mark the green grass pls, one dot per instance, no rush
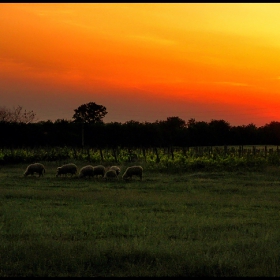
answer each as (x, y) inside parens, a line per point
(185, 224)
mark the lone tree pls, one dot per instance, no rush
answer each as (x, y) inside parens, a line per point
(89, 113)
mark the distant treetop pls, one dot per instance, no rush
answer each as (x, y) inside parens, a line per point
(90, 113)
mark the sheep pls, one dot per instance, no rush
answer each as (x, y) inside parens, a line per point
(35, 168)
(92, 171)
(111, 174)
(99, 170)
(115, 168)
(133, 170)
(86, 171)
(67, 168)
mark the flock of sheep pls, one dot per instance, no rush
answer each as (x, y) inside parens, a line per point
(87, 171)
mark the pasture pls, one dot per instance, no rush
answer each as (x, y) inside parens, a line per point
(202, 223)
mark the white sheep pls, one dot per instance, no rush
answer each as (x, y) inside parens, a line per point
(67, 168)
(87, 170)
(133, 171)
(92, 171)
(111, 174)
(99, 170)
(115, 168)
(35, 168)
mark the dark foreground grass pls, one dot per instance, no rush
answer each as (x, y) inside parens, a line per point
(188, 224)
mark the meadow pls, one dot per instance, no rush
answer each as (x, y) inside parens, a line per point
(189, 223)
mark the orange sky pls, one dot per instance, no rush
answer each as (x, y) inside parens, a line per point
(143, 62)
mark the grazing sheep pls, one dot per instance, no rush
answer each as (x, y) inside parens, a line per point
(92, 171)
(111, 174)
(99, 170)
(133, 170)
(115, 168)
(35, 168)
(67, 168)
(87, 170)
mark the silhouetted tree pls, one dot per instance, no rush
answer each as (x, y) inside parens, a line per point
(197, 133)
(271, 133)
(219, 132)
(17, 115)
(90, 113)
(171, 130)
(244, 135)
(175, 123)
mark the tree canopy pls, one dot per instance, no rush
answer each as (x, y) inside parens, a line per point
(90, 113)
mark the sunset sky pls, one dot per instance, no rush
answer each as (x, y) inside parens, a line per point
(143, 61)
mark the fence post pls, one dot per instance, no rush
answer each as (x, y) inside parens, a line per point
(144, 153)
(172, 154)
(75, 153)
(156, 152)
(225, 150)
(115, 155)
(101, 154)
(88, 154)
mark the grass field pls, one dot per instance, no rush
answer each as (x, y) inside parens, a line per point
(186, 224)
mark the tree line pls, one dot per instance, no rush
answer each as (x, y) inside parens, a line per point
(171, 132)
(88, 129)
